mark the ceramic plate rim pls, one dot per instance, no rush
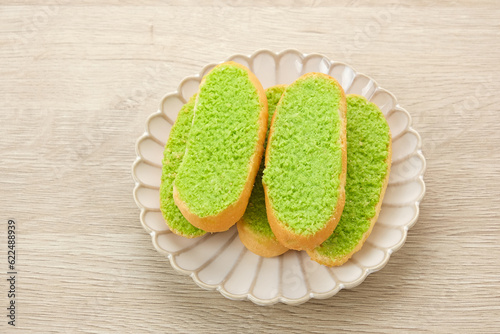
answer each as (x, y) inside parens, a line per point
(279, 298)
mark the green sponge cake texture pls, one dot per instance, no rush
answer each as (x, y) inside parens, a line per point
(273, 95)
(255, 216)
(222, 142)
(172, 158)
(368, 140)
(305, 155)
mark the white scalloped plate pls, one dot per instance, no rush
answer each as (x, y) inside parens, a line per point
(220, 261)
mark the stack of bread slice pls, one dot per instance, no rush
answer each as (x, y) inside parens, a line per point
(298, 167)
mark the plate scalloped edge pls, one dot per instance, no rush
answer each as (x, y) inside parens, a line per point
(299, 63)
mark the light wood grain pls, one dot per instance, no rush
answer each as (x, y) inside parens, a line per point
(78, 80)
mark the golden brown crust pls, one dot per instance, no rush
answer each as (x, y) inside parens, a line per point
(286, 237)
(229, 216)
(258, 244)
(339, 261)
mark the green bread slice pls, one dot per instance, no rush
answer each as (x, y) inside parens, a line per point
(368, 168)
(172, 158)
(253, 228)
(224, 150)
(305, 169)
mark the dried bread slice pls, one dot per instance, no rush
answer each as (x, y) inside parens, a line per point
(224, 148)
(172, 159)
(368, 166)
(253, 228)
(305, 160)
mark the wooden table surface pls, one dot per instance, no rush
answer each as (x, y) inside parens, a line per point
(79, 79)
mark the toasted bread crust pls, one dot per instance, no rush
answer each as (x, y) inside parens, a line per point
(327, 261)
(229, 216)
(258, 244)
(284, 235)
